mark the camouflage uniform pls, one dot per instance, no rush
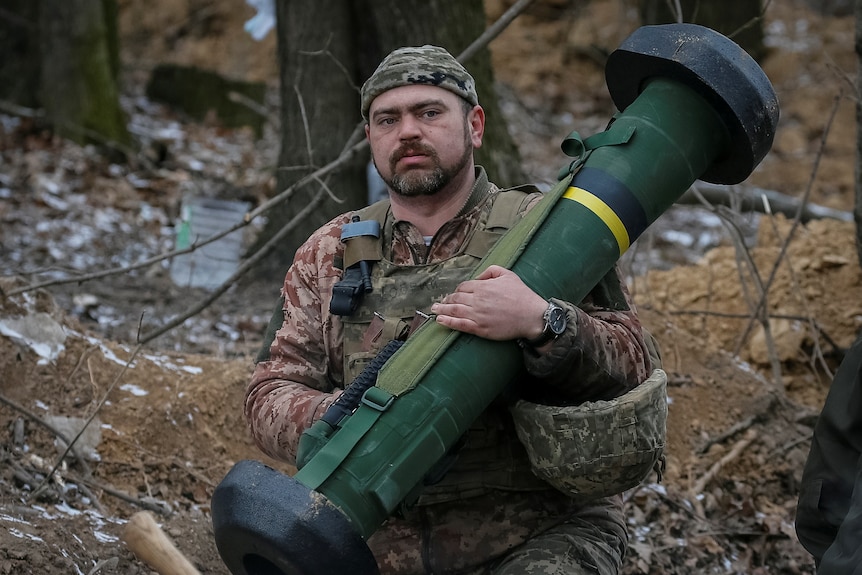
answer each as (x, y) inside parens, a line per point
(489, 514)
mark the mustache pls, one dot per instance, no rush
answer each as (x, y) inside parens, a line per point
(410, 150)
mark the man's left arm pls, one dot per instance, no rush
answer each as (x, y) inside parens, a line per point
(602, 353)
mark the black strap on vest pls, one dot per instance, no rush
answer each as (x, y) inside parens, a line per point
(348, 401)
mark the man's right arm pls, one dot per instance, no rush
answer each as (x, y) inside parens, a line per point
(298, 378)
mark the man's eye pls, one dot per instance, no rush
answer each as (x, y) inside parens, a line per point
(431, 113)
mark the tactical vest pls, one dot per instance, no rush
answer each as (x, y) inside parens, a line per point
(490, 455)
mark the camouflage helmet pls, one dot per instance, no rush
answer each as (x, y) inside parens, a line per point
(600, 448)
(426, 64)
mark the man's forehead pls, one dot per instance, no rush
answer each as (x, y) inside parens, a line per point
(406, 97)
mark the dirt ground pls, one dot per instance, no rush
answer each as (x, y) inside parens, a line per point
(167, 420)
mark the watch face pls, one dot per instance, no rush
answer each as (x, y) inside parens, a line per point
(557, 320)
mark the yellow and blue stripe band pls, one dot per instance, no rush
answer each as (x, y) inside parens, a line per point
(614, 204)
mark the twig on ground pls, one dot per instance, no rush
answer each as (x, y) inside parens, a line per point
(143, 503)
(59, 434)
(70, 445)
(740, 446)
(733, 430)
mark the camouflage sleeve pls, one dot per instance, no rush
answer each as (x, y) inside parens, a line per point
(297, 380)
(602, 354)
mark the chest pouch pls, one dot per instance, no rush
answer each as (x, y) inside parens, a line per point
(361, 241)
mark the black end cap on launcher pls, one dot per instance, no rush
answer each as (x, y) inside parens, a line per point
(715, 67)
(268, 523)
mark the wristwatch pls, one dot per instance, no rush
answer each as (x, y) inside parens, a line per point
(556, 319)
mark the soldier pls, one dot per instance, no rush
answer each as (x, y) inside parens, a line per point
(829, 511)
(486, 511)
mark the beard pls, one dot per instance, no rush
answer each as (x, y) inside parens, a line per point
(424, 182)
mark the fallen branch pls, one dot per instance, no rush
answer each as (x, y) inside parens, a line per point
(57, 433)
(740, 446)
(733, 430)
(143, 503)
(751, 199)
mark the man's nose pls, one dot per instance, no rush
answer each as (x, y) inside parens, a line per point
(409, 128)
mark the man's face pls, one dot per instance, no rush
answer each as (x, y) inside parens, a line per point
(421, 138)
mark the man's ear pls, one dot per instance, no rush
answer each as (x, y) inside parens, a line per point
(367, 130)
(476, 123)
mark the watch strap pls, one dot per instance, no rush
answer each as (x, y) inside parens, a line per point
(546, 335)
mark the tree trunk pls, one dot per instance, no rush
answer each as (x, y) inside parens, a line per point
(857, 206)
(319, 112)
(739, 19)
(79, 84)
(326, 49)
(19, 45)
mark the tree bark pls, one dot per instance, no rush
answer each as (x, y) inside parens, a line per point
(79, 85)
(319, 112)
(326, 49)
(19, 44)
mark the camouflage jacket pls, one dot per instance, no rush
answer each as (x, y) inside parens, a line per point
(602, 354)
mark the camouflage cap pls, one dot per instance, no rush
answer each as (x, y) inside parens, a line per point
(427, 64)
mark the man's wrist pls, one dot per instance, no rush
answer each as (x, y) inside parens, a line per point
(555, 320)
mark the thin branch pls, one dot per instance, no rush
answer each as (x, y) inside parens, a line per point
(733, 430)
(494, 30)
(735, 452)
(270, 245)
(796, 220)
(326, 52)
(309, 149)
(113, 491)
(57, 433)
(70, 445)
(249, 103)
(812, 325)
(22, 111)
(744, 260)
(751, 22)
